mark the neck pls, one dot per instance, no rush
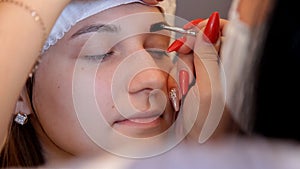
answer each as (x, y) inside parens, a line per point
(53, 154)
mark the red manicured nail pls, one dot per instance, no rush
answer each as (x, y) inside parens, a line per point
(176, 44)
(212, 28)
(192, 23)
(184, 81)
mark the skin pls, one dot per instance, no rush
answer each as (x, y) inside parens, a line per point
(255, 12)
(190, 55)
(12, 18)
(59, 129)
(250, 16)
(11, 87)
(152, 2)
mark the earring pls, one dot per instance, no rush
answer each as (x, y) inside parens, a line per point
(174, 99)
(21, 118)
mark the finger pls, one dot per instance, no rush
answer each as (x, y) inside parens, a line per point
(173, 90)
(223, 24)
(192, 23)
(212, 27)
(178, 43)
(185, 70)
(152, 2)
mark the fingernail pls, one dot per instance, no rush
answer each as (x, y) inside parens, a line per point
(212, 28)
(184, 81)
(176, 44)
(174, 99)
(192, 23)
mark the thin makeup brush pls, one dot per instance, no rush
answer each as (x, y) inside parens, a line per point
(162, 25)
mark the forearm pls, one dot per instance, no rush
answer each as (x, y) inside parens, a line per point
(21, 39)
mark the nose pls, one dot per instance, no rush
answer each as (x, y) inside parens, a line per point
(150, 77)
(146, 75)
(148, 84)
(147, 80)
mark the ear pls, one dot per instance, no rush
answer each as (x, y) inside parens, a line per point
(23, 104)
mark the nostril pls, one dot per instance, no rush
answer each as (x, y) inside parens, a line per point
(148, 80)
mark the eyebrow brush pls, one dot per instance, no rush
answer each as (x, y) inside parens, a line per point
(163, 26)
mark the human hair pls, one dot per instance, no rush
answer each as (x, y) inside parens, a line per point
(22, 147)
(277, 89)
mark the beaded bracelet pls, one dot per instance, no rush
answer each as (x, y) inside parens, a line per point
(37, 19)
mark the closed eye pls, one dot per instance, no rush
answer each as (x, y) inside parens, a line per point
(157, 53)
(98, 58)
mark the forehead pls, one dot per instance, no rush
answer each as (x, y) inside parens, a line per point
(131, 16)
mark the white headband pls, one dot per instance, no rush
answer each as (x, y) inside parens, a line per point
(78, 10)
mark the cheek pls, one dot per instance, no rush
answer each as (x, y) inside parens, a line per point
(53, 100)
(103, 93)
(53, 93)
(53, 87)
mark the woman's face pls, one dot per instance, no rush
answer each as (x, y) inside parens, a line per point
(106, 77)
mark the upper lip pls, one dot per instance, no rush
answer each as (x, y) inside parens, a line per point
(140, 115)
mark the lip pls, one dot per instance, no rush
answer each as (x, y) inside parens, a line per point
(142, 124)
(141, 119)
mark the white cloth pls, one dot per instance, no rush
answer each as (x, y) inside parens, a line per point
(79, 10)
(233, 152)
(76, 11)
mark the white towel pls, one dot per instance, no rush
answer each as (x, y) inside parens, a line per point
(78, 10)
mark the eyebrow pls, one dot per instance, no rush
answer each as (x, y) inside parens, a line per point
(96, 28)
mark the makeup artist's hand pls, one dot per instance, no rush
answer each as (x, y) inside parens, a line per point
(210, 31)
(152, 2)
(199, 59)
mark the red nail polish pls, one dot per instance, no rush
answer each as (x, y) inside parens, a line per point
(176, 44)
(184, 81)
(192, 23)
(212, 28)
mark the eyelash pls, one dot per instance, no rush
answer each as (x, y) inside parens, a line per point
(98, 58)
(156, 54)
